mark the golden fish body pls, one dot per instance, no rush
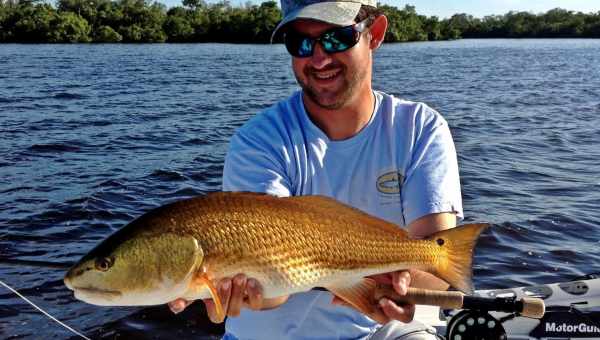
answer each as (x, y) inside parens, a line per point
(288, 244)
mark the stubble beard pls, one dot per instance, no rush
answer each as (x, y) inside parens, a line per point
(349, 87)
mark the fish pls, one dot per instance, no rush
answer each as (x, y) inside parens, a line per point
(289, 244)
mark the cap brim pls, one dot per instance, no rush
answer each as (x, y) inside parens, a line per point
(332, 12)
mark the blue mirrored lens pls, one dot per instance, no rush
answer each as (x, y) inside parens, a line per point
(335, 40)
(306, 47)
(338, 40)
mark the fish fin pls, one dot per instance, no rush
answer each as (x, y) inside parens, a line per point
(361, 296)
(454, 266)
(202, 281)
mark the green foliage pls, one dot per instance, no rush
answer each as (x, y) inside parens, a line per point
(131, 33)
(69, 28)
(265, 19)
(179, 27)
(433, 28)
(4, 14)
(32, 23)
(105, 34)
(193, 4)
(556, 23)
(404, 24)
(140, 21)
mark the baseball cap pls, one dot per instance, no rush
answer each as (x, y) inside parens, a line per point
(335, 12)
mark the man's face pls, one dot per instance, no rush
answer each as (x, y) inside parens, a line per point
(332, 80)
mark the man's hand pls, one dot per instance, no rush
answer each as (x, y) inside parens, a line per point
(400, 280)
(235, 294)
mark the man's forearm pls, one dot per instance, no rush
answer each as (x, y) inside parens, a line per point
(431, 224)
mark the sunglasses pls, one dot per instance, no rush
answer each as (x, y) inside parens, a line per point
(335, 40)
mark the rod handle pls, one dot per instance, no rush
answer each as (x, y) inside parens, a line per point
(533, 308)
(527, 306)
(419, 296)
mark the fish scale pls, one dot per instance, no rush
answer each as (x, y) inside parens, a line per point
(317, 253)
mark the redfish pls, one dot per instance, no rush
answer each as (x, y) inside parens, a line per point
(290, 245)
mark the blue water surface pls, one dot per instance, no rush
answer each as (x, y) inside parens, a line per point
(92, 136)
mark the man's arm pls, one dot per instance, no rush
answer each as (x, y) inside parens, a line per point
(431, 224)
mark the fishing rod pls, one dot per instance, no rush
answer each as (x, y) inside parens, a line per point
(528, 307)
(474, 319)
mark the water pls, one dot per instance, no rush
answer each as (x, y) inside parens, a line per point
(91, 136)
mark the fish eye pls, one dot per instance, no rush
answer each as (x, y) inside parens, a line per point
(104, 263)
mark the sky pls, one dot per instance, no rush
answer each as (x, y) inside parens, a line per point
(477, 8)
(481, 8)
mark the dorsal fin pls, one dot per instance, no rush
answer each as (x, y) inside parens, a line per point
(330, 206)
(315, 203)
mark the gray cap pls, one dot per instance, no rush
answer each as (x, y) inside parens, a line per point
(336, 12)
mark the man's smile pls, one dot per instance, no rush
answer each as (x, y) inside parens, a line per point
(326, 77)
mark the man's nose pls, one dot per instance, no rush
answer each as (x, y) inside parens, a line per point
(320, 58)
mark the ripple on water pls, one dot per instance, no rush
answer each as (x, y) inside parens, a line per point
(167, 175)
(53, 148)
(69, 96)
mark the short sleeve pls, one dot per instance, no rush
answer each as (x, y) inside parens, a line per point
(431, 183)
(254, 166)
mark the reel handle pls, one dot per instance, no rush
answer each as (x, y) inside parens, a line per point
(528, 307)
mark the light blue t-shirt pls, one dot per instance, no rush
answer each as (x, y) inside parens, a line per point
(401, 166)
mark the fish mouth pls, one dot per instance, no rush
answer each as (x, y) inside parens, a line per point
(97, 291)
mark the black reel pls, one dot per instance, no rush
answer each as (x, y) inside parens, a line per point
(475, 325)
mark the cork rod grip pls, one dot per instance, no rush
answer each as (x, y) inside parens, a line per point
(418, 296)
(533, 308)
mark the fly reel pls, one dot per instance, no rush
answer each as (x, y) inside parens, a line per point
(475, 325)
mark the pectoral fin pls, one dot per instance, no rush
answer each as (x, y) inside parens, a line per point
(360, 295)
(202, 281)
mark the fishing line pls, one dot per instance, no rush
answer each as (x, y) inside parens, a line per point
(43, 312)
(31, 263)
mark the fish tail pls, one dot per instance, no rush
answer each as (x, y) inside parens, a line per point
(456, 256)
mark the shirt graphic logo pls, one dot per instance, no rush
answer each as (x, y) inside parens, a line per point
(390, 183)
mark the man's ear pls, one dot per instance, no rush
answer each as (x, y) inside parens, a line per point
(377, 31)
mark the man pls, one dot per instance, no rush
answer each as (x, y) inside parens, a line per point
(337, 137)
